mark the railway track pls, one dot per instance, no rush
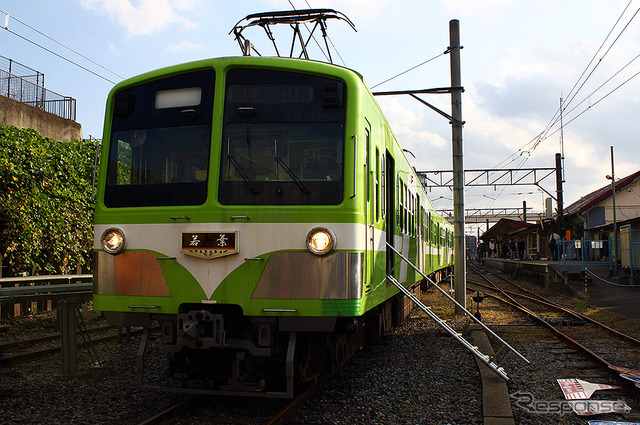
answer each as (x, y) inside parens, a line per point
(184, 406)
(590, 338)
(16, 352)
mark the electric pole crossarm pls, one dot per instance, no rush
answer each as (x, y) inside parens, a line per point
(413, 93)
(448, 183)
(439, 111)
(438, 90)
(547, 192)
(495, 177)
(481, 215)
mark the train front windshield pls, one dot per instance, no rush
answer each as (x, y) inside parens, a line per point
(161, 142)
(283, 139)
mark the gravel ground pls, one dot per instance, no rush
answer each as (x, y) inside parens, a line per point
(416, 375)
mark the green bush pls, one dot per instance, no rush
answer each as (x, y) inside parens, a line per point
(46, 205)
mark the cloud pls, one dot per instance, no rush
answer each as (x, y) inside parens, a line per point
(362, 9)
(184, 45)
(148, 17)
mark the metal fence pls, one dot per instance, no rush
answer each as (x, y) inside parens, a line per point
(584, 253)
(22, 71)
(29, 89)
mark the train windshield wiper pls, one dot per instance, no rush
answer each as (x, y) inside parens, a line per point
(244, 176)
(280, 161)
(295, 178)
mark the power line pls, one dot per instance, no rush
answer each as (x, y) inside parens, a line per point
(328, 37)
(63, 45)
(316, 41)
(528, 148)
(408, 70)
(57, 54)
(570, 98)
(599, 100)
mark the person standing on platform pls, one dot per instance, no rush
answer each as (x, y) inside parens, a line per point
(554, 241)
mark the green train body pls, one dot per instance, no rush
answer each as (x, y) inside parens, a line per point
(215, 177)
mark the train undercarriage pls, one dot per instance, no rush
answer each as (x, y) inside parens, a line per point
(214, 349)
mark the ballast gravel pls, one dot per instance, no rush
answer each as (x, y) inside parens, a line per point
(417, 374)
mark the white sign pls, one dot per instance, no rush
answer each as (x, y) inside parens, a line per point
(577, 389)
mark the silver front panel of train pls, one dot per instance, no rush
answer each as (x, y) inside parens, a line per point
(302, 275)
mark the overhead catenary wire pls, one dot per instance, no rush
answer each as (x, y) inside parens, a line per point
(526, 150)
(408, 70)
(571, 95)
(329, 38)
(63, 45)
(316, 41)
(530, 146)
(54, 53)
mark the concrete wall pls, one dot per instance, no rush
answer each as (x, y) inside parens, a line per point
(48, 125)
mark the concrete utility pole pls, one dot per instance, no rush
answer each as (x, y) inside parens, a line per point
(460, 274)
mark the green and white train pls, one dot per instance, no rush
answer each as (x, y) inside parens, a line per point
(246, 204)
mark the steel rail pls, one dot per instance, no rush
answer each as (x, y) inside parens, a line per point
(592, 356)
(289, 409)
(442, 291)
(31, 355)
(537, 298)
(34, 341)
(604, 364)
(162, 415)
(24, 357)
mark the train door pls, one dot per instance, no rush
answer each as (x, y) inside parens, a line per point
(369, 213)
(418, 226)
(390, 208)
(429, 239)
(439, 244)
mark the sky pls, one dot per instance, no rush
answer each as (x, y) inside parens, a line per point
(519, 58)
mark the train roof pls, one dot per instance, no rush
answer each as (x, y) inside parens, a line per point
(303, 65)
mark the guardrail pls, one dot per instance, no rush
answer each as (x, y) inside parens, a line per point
(42, 292)
(68, 297)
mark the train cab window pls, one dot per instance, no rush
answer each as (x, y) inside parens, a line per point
(160, 142)
(283, 142)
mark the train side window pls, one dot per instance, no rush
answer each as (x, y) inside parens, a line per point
(405, 200)
(383, 182)
(420, 218)
(399, 202)
(377, 194)
(367, 163)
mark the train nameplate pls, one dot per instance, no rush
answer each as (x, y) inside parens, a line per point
(209, 245)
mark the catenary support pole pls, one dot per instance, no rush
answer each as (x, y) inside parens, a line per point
(615, 221)
(559, 181)
(460, 278)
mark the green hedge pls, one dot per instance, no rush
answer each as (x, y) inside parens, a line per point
(46, 206)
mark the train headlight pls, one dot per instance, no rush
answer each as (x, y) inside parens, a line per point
(113, 241)
(321, 240)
